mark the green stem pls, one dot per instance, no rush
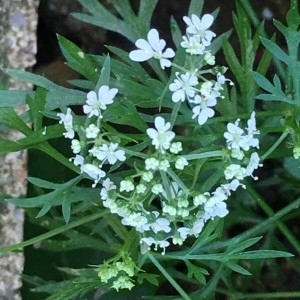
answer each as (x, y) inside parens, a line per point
(177, 287)
(175, 113)
(268, 210)
(275, 145)
(52, 233)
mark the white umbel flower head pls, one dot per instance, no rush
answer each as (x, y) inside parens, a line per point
(98, 102)
(198, 27)
(161, 136)
(152, 48)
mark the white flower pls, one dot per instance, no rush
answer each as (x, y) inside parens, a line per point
(137, 220)
(67, 120)
(164, 165)
(108, 185)
(152, 48)
(192, 45)
(161, 224)
(161, 136)
(97, 102)
(199, 199)
(94, 172)
(176, 147)
(253, 165)
(195, 230)
(168, 209)
(235, 171)
(228, 187)
(141, 188)
(251, 129)
(180, 163)
(206, 88)
(151, 164)
(234, 136)
(237, 153)
(203, 111)
(148, 175)
(215, 207)
(92, 131)
(209, 58)
(296, 151)
(183, 87)
(78, 160)
(199, 28)
(126, 185)
(75, 146)
(149, 241)
(157, 189)
(110, 153)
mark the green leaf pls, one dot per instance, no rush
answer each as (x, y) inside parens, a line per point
(258, 254)
(176, 32)
(42, 135)
(107, 19)
(14, 98)
(46, 207)
(9, 117)
(236, 268)
(44, 183)
(35, 79)
(78, 60)
(233, 248)
(196, 272)
(36, 106)
(275, 92)
(7, 146)
(124, 112)
(196, 7)
(275, 50)
(105, 74)
(66, 207)
(145, 12)
(53, 198)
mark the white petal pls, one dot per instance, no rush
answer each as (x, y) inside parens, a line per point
(154, 41)
(196, 21)
(178, 96)
(207, 21)
(165, 63)
(91, 97)
(187, 21)
(169, 53)
(143, 45)
(140, 55)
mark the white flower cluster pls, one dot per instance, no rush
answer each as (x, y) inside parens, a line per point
(154, 199)
(201, 96)
(91, 150)
(164, 210)
(240, 142)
